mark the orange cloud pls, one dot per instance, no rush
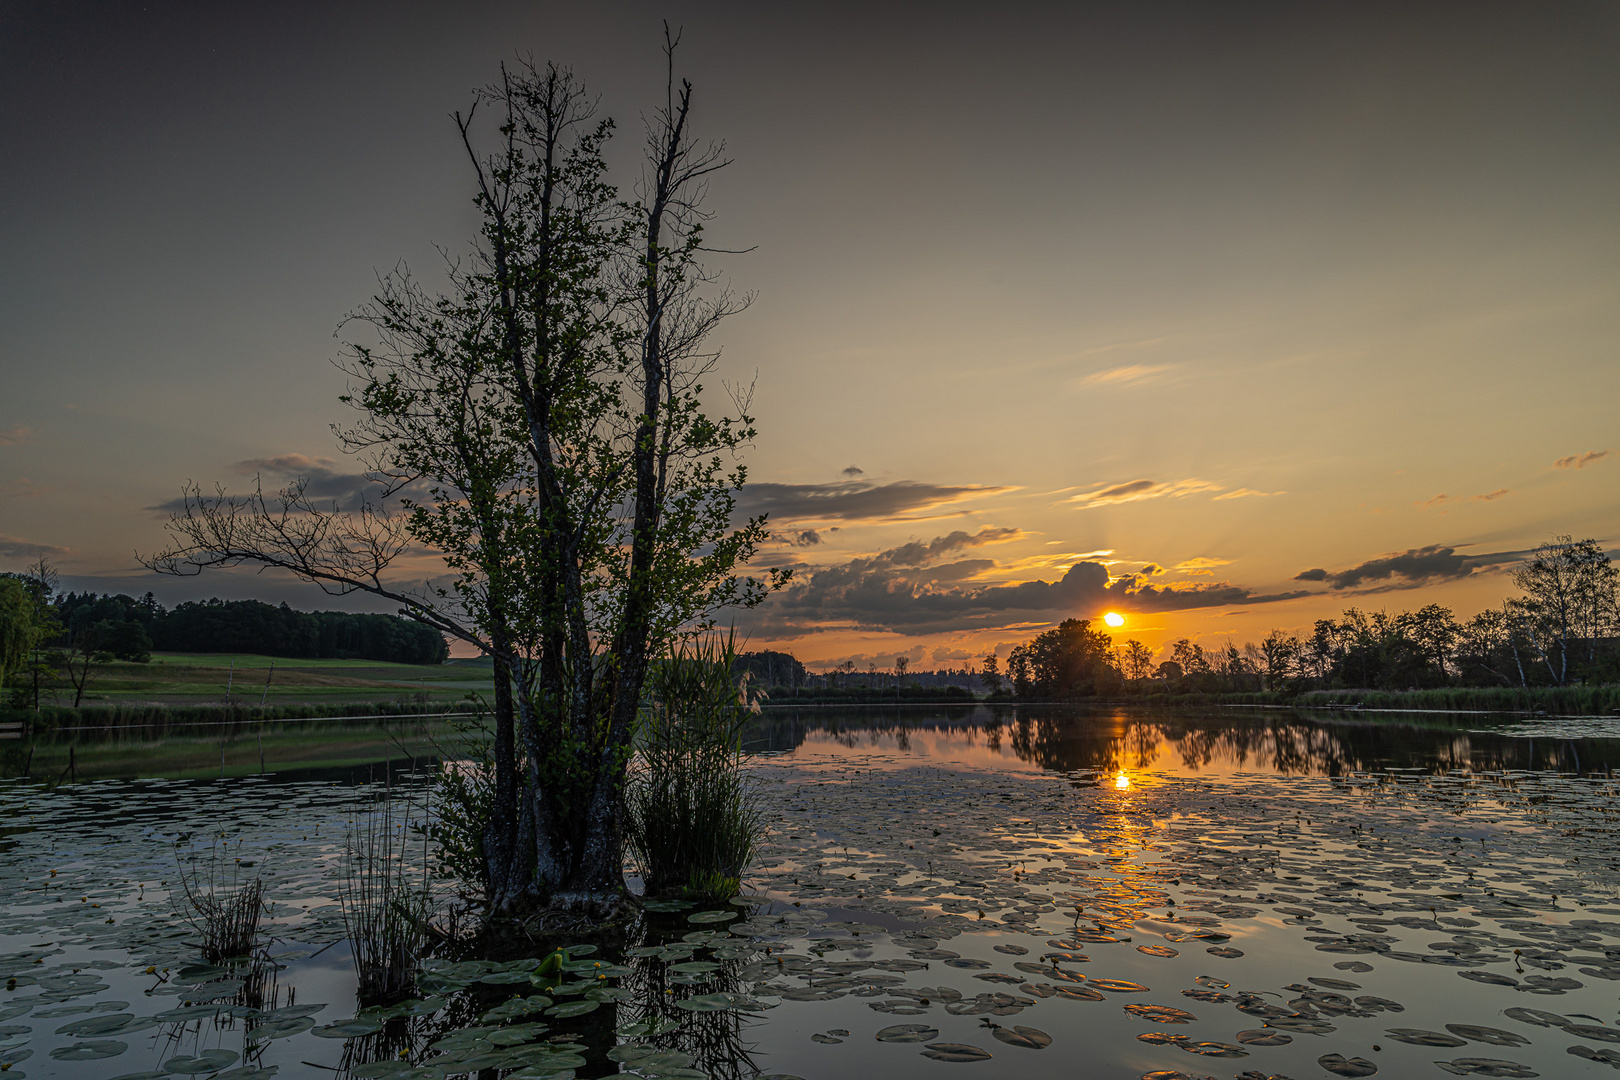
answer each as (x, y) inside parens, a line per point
(1126, 375)
(1140, 490)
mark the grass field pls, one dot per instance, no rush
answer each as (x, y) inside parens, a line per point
(205, 678)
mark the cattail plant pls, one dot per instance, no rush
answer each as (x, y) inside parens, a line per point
(692, 819)
(387, 905)
(221, 902)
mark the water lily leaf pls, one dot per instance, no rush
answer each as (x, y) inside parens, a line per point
(1264, 1037)
(573, 1008)
(349, 1029)
(1117, 986)
(106, 1025)
(1419, 1037)
(646, 1029)
(1339, 1065)
(1214, 1049)
(208, 1061)
(711, 916)
(93, 1051)
(908, 1033)
(1485, 1067)
(716, 1003)
(955, 1052)
(380, 1070)
(1494, 1036)
(281, 1029)
(1027, 1037)
(1160, 1014)
(668, 905)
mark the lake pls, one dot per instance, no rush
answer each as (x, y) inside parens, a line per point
(1033, 892)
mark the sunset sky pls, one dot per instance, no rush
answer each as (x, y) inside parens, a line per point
(1223, 316)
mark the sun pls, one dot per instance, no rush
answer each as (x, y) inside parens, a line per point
(1114, 619)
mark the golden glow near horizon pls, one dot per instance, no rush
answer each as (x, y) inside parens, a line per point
(1114, 619)
(1122, 781)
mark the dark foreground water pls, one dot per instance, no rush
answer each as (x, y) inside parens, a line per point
(1036, 893)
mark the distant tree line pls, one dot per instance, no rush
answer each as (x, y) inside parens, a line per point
(1563, 630)
(35, 619)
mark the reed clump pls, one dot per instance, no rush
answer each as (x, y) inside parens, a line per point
(692, 816)
(387, 904)
(221, 902)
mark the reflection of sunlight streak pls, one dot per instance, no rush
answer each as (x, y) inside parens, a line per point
(1121, 781)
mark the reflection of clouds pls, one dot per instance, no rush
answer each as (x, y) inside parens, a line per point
(1110, 743)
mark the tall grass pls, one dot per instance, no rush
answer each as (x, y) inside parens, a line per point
(221, 902)
(387, 904)
(693, 820)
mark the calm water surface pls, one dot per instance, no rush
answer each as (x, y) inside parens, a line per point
(1059, 893)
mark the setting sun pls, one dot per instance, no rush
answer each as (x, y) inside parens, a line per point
(1114, 619)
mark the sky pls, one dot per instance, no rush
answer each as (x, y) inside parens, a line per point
(1225, 317)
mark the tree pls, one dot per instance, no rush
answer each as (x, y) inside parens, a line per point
(1071, 659)
(1571, 605)
(1136, 661)
(550, 409)
(990, 673)
(1281, 659)
(19, 631)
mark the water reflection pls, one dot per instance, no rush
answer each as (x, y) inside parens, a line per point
(1124, 739)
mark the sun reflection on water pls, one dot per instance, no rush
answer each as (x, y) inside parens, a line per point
(1121, 781)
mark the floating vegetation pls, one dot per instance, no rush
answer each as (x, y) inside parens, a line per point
(1378, 898)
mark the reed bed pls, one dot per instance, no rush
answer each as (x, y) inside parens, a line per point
(387, 904)
(221, 902)
(693, 820)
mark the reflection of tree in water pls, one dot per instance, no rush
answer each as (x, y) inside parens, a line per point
(1290, 742)
(713, 1040)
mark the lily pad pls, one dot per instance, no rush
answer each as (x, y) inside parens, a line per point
(1419, 1037)
(956, 1052)
(349, 1029)
(908, 1033)
(711, 916)
(208, 1061)
(1339, 1065)
(1264, 1037)
(1027, 1037)
(93, 1051)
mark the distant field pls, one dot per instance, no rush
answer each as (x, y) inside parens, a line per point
(201, 678)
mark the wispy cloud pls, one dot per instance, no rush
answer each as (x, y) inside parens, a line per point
(1492, 496)
(322, 477)
(1141, 490)
(16, 547)
(853, 500)
(1125, 375)
(1201, 566)
(24, 488)
(1438, 500)
(1581, 461)
(15, 434)
(1244, 493)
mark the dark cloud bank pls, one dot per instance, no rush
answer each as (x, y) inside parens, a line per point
(1409, 569)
